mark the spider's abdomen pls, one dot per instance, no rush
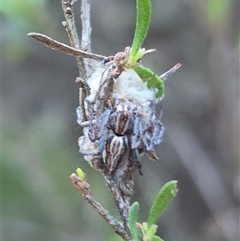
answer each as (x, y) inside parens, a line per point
(115, 148)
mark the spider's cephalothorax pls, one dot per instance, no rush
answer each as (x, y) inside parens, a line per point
(121, 119)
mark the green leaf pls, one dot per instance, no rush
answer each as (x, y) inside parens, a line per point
(80, 174)
(153, 81)
(142, 25)
(152, 230)
(165, 195)
(156, 238)
(133, 214)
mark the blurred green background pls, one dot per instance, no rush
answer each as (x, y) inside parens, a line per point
(200, 147)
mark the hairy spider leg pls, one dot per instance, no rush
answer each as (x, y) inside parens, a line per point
(92, 131)
(136, 145)
(138, 134)
(153, 130)
(134, 160)
(157, 133)
(158, 129)
(147, 134)
(87, 147)
(98, 127)
(98, 109)
(79, 115)
(104, 92)
(83, 91)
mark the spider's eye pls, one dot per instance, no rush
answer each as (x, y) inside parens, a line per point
(123, 108)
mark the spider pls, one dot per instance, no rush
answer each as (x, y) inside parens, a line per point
(121, 129)
(107, 135)
(117, 127)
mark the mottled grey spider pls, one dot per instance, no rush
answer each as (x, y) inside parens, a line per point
(121, 128)
(107, 135)
(118, 127)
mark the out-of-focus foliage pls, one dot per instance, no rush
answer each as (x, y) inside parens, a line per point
(217, 9)
(24, 12)
(200, 146)
(19, 16)
(39, 201)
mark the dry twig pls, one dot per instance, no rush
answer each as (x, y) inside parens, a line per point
(84, 187)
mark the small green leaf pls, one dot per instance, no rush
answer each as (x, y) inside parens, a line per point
(142, 25)
(133, 215)
(80, 174)
(156, 238)
(149, 232)
(165, 195)
(153, 81)
(152, 230)
(144, 73)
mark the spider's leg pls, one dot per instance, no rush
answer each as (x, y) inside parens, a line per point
(157, 133)
(136, 137)
(153, 130)
(158, 129)
(79, 115)
(144, 131)
(88, 147)
(136, 145)
(97, 110)
(92, 131)
(102, 141)
(134, 160)
(102, 122)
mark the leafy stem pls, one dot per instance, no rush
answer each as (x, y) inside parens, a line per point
(142, 25)
(165, 195)
(148, 229)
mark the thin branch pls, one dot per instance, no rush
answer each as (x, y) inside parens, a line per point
(167, 74)
(84, 187)
(63, 48)
(122, 206)
(69, 24)
(86, 35)
(86, 26)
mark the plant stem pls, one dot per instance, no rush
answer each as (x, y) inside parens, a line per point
(84, 187)
(122, 205)
(67, 6)
(86, 26)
